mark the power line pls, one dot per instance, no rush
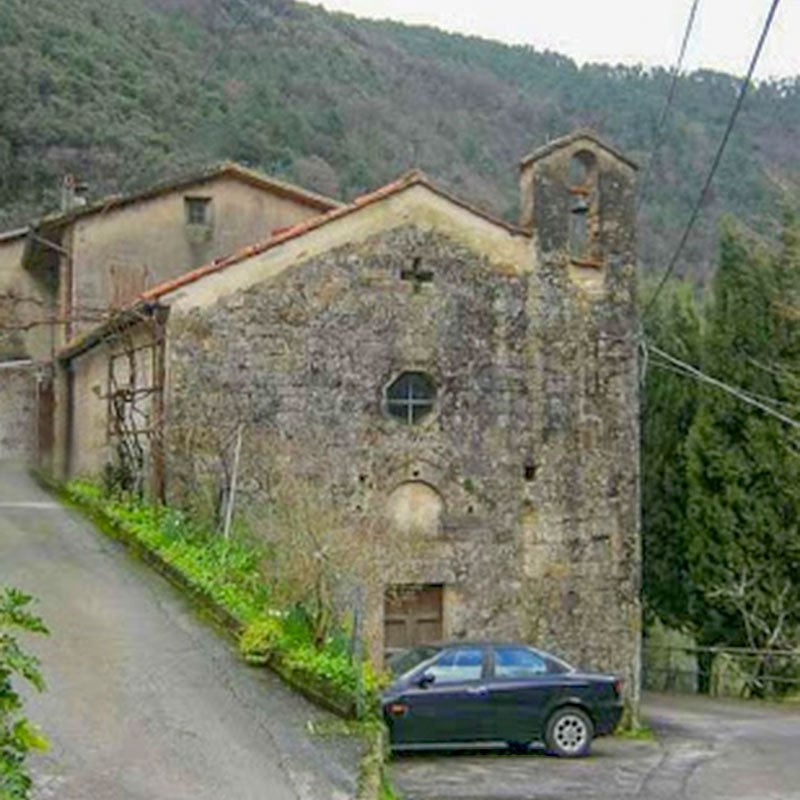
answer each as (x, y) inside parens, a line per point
(681, 367)
(717, 158)
(658, 139)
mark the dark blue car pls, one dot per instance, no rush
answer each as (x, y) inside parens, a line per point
(487, 693)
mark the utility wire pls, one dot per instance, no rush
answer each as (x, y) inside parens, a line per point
(658, 139)
(745, 84)
(681, 367)
(769, 400)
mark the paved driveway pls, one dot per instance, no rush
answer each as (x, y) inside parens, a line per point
(146, 702)
(706, 750)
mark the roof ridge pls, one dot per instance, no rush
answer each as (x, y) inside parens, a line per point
(209, 172)
(572, 137)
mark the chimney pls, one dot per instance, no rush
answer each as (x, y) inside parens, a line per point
(73, 194)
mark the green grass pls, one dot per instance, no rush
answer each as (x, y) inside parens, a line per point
(386, 791)
(641, 733)
(227, 571)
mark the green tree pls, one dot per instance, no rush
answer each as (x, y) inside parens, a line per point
(668, 408)
(18, 737)
(743, 466)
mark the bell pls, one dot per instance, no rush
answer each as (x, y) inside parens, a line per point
(579, 205)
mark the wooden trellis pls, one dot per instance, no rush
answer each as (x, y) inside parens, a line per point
(135, 404)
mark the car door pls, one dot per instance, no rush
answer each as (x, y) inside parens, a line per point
(522, 684)
(454, 707)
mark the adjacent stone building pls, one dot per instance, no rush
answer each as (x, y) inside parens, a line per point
(474, 378)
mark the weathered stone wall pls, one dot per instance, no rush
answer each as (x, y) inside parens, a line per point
(309, 355)
(580, 510)
(17, 411)
(533, 443)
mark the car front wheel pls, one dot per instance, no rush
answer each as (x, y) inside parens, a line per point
(569, 733)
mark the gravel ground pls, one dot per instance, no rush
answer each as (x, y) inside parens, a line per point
(706, 749)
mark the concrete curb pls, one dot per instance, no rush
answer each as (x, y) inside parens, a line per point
(373, 762)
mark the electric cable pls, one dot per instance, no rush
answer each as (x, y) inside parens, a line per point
(658, 139)
(681, 367)
(698, 207)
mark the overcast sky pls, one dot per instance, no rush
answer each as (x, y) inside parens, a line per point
(627, 31)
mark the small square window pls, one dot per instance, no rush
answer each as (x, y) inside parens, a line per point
(198, 210)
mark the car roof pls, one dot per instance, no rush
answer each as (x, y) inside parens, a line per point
(447, 644)
(476, 643)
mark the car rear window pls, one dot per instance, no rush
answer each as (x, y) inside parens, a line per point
(518, 662)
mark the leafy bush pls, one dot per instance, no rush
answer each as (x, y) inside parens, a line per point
(227, 570)
(18, 737)
(261, 639)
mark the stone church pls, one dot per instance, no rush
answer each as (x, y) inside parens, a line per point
(476, 377)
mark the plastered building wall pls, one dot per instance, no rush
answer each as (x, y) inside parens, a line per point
(138, 245)
(24, 301)
(25, 342)
(84, 433)
(17, 411)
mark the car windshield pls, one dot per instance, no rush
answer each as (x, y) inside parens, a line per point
(405, 661)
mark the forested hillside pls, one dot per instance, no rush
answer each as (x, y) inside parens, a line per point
(124, 92)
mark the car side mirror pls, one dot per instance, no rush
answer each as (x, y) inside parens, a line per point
(425, 680)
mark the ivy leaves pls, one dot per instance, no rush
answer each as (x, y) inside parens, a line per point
(18, 736)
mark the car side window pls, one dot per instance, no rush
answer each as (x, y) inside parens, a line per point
(458, 665)
(518, 662)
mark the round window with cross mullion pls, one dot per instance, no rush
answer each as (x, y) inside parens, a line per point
(411, 397)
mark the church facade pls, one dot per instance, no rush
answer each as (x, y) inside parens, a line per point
(470, 377)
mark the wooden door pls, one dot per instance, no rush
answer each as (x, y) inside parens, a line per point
(412, 615)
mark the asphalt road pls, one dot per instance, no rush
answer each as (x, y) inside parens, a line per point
(705, 750)
(145, 701)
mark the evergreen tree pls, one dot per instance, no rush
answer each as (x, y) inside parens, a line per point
(743, 465)
(668, 408)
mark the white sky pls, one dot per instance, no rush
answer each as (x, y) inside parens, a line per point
(614, 31)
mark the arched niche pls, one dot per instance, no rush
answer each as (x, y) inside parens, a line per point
(583, 215)
(582, 168)
(415, 507)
